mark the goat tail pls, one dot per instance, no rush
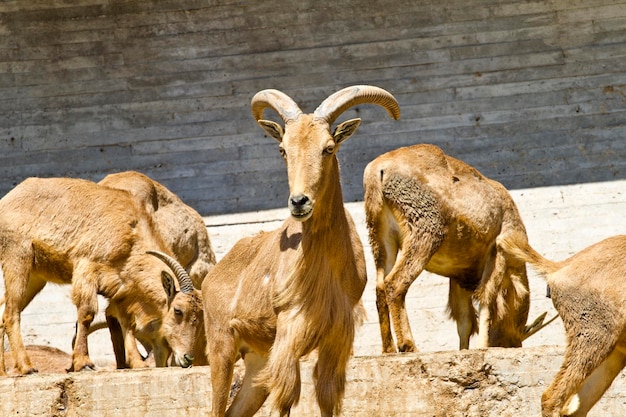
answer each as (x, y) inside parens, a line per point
(516, 245)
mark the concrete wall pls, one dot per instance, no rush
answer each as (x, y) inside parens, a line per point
(475, 383)
(531, 93)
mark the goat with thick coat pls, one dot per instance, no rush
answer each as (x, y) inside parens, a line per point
(277, 296)
(72, 231)
(588, 291)
(184, 233)
(426, 210)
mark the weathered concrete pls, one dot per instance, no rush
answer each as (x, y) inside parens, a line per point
(529, 92)
(474, 383)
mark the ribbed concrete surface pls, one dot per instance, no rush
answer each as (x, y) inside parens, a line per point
(474, 383)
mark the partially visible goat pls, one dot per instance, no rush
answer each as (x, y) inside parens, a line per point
(74, 231)
(185, 235)
(277, 296)
(428, 211)
(589, 292)
(181, 227)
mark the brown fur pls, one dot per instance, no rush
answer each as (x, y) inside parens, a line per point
(48, 360)
(587, 290)
(428, 211)
(182, 230)
(71, 231)
(277, 296)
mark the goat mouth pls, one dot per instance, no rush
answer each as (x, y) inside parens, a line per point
(302, 214)
(184, 361)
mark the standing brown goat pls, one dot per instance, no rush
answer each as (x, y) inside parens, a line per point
(428, 211)
(588, 291)
(277, 296)
(71, 231)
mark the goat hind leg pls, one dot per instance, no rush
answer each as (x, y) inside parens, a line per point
(12, 319)
(595, 385)
(461, 310)
(383, 312)
(251, 396)
(579, 362)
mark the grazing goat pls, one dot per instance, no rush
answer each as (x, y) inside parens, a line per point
(71, 231)
(185, 235)
(277, 296)
(428, 211)
(588, 291)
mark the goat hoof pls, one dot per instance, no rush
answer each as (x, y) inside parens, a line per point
(31, 371)
(88, 368)
(406, 348)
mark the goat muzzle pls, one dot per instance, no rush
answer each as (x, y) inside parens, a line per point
(300, 206)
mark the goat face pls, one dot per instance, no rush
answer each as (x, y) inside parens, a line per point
(309, 150)
(181, 322)
(184, 312)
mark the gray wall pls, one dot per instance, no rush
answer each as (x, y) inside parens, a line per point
(530, 93)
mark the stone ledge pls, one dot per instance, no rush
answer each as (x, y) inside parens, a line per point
(476, 383)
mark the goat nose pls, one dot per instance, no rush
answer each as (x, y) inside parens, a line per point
(298, 200)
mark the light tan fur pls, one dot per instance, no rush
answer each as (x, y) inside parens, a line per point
(184, 233)
(278, 296)
(428, 211)
(71, 231)
(587, 290)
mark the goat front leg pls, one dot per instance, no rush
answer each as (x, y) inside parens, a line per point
(85, 298)
(334, 352)
(408, 266)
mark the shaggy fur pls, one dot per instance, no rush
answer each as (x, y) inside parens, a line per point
(71, 231)
(428, 211)
(278, 296)
(185, 235)
(587, 290)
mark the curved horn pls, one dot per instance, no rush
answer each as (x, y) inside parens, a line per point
(342, 100)
(186, 287)
(284, 105)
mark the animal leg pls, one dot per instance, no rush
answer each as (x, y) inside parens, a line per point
(595, 385)
(84, 296)
(383, 311)
(222, 355)
(580, 361)
(251, 396)
(330, 370)
(461, 310)
(408, 266)
(13, 309)
(117, 339)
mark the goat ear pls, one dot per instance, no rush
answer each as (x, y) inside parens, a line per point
(272, 128)
(168, 285)
(345, 129)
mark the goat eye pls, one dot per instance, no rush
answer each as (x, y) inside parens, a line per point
(282, 152)
(329, 149)
(178, 312)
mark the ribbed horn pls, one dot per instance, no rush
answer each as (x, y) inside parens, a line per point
(284, 105)
(186, 286)
(342, 100)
